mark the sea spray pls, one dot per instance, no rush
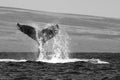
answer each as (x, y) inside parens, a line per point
(60, 50)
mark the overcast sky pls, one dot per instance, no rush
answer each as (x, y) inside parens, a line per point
(107, 8)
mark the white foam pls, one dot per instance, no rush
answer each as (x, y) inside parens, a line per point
(55, 60)
(97, 61)
(12, 60)
(94, 61)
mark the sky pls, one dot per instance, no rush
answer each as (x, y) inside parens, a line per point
(105, 8)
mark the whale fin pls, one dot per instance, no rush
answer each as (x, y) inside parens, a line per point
(45, 34)
(28, 30)
(48, 33)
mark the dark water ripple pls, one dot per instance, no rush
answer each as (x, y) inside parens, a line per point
(67, 71)
(32, 70)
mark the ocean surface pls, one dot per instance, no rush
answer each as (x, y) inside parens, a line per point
(80, 70)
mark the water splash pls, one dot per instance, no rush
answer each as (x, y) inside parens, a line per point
(59, 48)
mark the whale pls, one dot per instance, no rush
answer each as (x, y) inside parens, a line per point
(45, 34)
(36, 34)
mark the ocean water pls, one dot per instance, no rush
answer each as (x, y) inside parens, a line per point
(79, 70)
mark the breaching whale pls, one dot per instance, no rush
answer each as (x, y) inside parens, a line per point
(44, 35)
